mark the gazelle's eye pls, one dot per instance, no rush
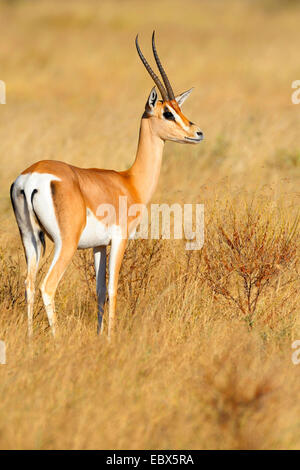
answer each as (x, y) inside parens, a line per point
(168, 115)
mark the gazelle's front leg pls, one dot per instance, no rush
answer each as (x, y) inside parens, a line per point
(118, 246)
(100, 269)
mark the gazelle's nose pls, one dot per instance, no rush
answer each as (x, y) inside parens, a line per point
(199, 134)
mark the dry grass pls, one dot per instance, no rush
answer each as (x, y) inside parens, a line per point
(202, 355)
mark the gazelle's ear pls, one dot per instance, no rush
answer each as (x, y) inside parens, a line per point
(181, 98)
(152, 99)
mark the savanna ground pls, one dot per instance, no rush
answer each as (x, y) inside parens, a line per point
(202, 354)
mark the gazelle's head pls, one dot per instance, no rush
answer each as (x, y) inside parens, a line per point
(166, 118)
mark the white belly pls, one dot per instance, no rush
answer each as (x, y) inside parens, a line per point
(95, 233)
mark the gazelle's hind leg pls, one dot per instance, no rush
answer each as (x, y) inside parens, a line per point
(33, 241)
(63, 254)
(32, 268)
(100, 269)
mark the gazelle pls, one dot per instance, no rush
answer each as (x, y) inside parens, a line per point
(61, 200)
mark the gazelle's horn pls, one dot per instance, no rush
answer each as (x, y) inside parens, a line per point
(162, 72)
(151, 73)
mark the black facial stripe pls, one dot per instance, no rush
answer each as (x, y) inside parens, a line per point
(168, 115)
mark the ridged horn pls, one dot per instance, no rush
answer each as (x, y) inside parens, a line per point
(153, 75)
(162, 72)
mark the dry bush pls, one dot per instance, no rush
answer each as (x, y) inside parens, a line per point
(241, 388)
(248, 255)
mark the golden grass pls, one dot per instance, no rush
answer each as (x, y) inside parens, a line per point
(202, 354)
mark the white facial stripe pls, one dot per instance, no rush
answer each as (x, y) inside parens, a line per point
(177, 118)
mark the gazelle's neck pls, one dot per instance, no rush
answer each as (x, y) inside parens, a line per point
(145, 170)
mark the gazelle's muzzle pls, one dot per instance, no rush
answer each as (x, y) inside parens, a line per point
(197, 138)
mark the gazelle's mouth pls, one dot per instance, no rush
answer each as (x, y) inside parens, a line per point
(194, 140)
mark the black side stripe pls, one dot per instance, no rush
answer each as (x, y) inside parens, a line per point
(11, 198)
(41, 233)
